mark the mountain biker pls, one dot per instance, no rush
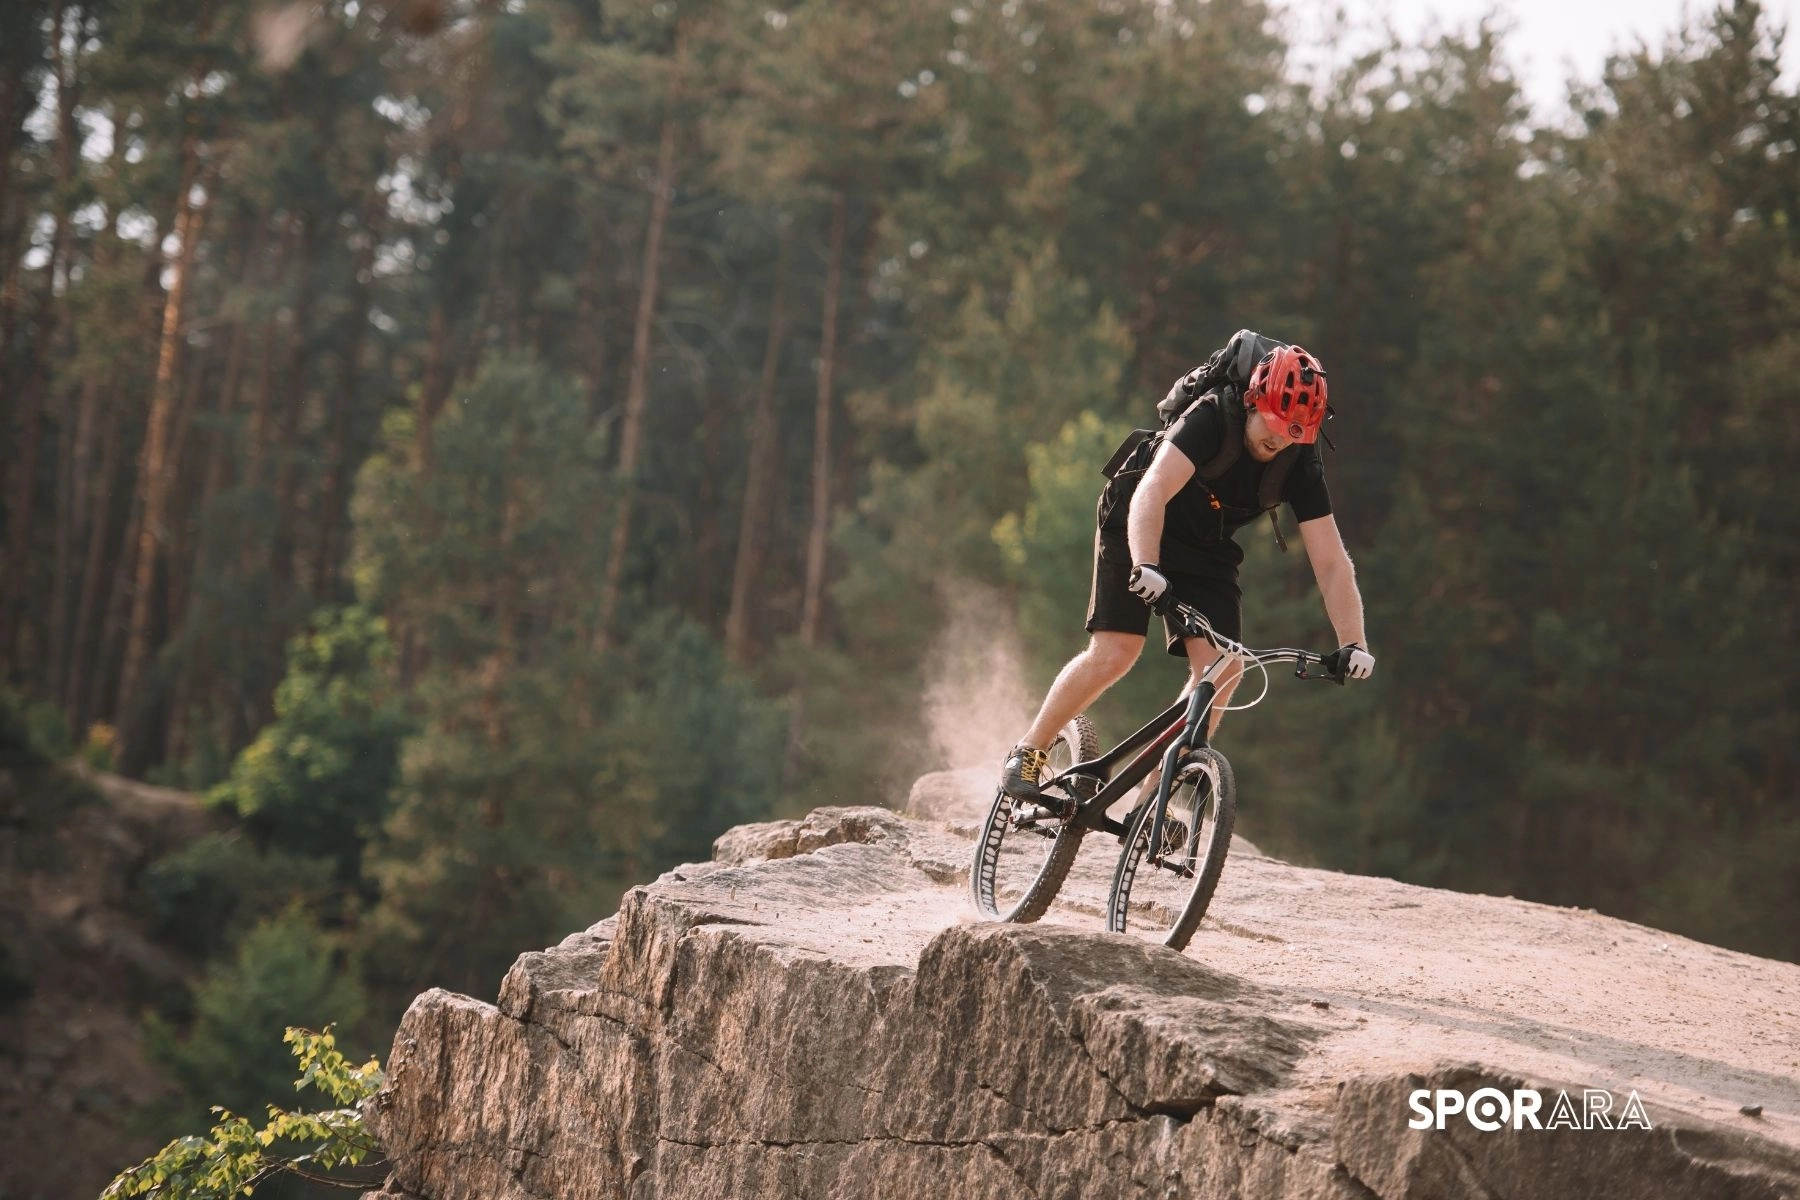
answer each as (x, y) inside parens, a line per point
(1170, 529)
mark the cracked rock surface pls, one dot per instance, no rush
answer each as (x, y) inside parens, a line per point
(816, 1013)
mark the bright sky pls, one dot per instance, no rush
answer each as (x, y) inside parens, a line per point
(1551, 41)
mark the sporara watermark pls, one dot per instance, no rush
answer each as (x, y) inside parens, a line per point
(1489, 1109)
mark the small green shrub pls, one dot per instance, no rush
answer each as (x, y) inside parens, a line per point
(18, 747)
(236, 1156)
(204, 894)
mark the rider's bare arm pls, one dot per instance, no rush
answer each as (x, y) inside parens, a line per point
(1337, 577)
(1169, 472)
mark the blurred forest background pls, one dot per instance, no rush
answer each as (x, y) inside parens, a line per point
(489, 447)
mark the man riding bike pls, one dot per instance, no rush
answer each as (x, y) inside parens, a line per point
(1169, 527)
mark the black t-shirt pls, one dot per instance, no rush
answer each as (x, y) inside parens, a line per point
(1197, 537)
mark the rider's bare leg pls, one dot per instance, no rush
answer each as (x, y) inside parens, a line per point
(1201, 655)
(1107, 659)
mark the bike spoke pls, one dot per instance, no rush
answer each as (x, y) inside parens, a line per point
(1166, 903)
(1025, 849)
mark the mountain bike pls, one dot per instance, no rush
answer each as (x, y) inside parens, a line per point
(1174, 839)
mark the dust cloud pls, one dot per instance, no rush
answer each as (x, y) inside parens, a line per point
(976, 698)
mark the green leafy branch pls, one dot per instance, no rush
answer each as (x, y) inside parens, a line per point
(236, 1156)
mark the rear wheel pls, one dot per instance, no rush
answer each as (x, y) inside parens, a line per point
(1025, 850)
(1162, 892)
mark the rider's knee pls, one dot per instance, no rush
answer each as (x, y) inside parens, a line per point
(1201, 657)
(1114, 652)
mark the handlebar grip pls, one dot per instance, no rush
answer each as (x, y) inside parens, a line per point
(1191, 621)
(1337, 665)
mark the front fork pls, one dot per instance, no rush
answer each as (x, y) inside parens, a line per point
(1193, 736)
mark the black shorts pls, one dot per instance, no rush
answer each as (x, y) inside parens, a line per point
(1113, 609)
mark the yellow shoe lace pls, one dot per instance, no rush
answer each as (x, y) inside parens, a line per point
(1031, 762)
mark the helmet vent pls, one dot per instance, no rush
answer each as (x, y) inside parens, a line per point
(1289, 387)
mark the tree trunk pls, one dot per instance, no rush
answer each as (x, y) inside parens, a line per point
(75, 417)
(62, 566)
(251, 237)
(19, 48)
(11, 283)
(103, 688)
(813, 602)
(82, 489)
(759, 473)
(256, 448)
(343, 402)
(99, 491)
(153, 477)
(637, 390)
(436, 386)
(589, 325)
(178, 507)
(282, 547)
(178, 578)
(15, 590)
(77, 694)
(704, 550)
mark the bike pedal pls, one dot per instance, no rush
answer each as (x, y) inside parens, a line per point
(1047, 809)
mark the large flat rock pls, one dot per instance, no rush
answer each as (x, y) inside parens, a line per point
(817, 1013)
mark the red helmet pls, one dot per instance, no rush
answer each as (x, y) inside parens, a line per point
(1288, 386)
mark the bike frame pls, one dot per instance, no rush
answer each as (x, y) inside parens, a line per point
(1180, 727)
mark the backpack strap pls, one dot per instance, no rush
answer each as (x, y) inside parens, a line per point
(1274, 477)
(1230, 403)
(1231, 410)
(1127, 456)
(1268, 492)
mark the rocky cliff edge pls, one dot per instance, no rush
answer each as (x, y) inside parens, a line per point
(816, 1013)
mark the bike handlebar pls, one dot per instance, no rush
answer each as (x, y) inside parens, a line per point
(1195, 624)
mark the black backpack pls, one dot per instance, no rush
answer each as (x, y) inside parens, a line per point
(1220, 380)
(1227, 367)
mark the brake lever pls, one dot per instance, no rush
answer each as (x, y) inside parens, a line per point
(1188, 619)
(1334, 668)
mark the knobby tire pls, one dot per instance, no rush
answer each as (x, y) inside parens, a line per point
(1079, 741)
(1133, 859)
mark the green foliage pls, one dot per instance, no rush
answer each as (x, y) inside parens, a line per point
(494, 549)
(317, 782)
(19, 746)
(49, 730)
(32, 739)
(593, 772)
(207, 893)
(237, 1155)
(697, 733)
(549, 771)
(284, 971)
(98, 747)
(1022, 361)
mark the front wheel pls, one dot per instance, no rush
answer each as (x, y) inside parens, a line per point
(1025, 850)
(1162, 892)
